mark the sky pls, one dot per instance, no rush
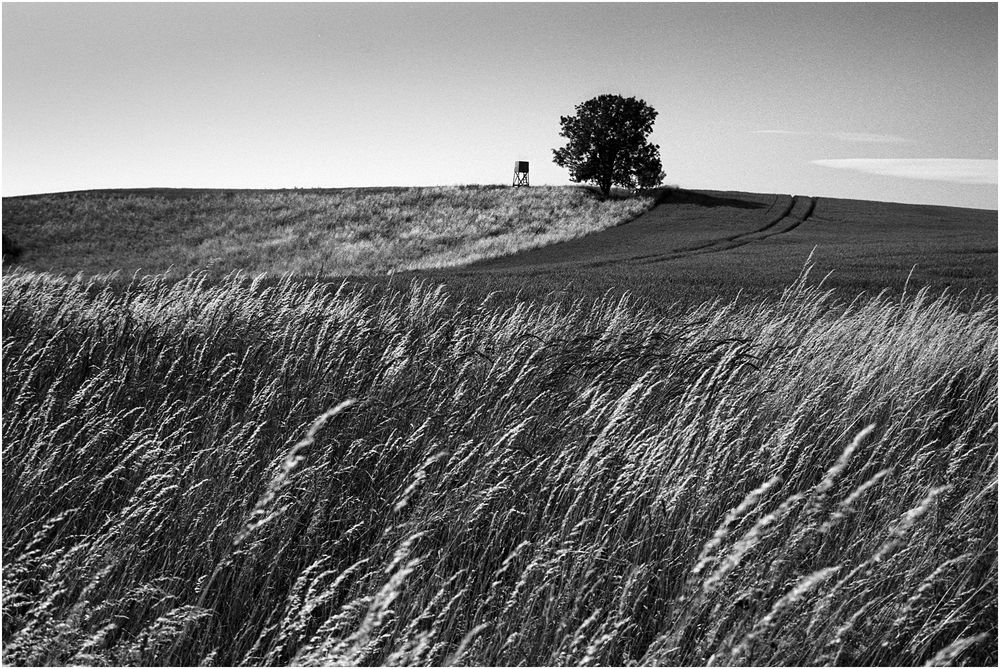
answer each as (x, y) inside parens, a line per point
(893, 102)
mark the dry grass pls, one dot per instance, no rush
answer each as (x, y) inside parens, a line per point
(333, 233)
(776, 483)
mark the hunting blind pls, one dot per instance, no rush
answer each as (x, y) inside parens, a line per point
(521, 173)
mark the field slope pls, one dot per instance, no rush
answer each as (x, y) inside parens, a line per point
(695, 246)
(338, 232)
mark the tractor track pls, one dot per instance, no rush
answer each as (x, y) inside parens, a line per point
(781, 223)
(773, 221)
(784, 214)
(766, 231)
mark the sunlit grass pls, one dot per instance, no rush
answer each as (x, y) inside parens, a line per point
(331, 233)
(774, 483)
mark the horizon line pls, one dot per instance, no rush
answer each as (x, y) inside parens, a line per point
(459, 185)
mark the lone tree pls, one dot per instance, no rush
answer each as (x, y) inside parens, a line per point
(608, 144)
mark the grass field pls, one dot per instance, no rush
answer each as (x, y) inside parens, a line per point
(263, 470)
(780, 483)
(325, 232)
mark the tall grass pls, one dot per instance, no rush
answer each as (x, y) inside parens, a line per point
(254, 473)
(334, 233)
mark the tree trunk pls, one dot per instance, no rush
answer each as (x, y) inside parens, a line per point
(605, 185)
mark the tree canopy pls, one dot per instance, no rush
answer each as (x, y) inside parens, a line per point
(608, 144)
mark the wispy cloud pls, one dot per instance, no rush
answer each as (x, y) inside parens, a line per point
(866, 137)
(952, 170)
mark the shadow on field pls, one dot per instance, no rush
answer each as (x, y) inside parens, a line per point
(678, 196)
(11, 251)
(674, 195)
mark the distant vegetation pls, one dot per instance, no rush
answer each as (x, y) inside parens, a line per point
(333, 233)
(781, 482)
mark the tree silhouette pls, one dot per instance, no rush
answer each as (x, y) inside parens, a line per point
(608, 144)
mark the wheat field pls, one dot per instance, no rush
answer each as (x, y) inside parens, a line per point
(266, 473)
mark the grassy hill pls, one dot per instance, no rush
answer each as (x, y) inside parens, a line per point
(506, 463)
(313, 232)
(693, 246)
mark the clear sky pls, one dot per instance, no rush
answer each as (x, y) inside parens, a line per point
(890, 102)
